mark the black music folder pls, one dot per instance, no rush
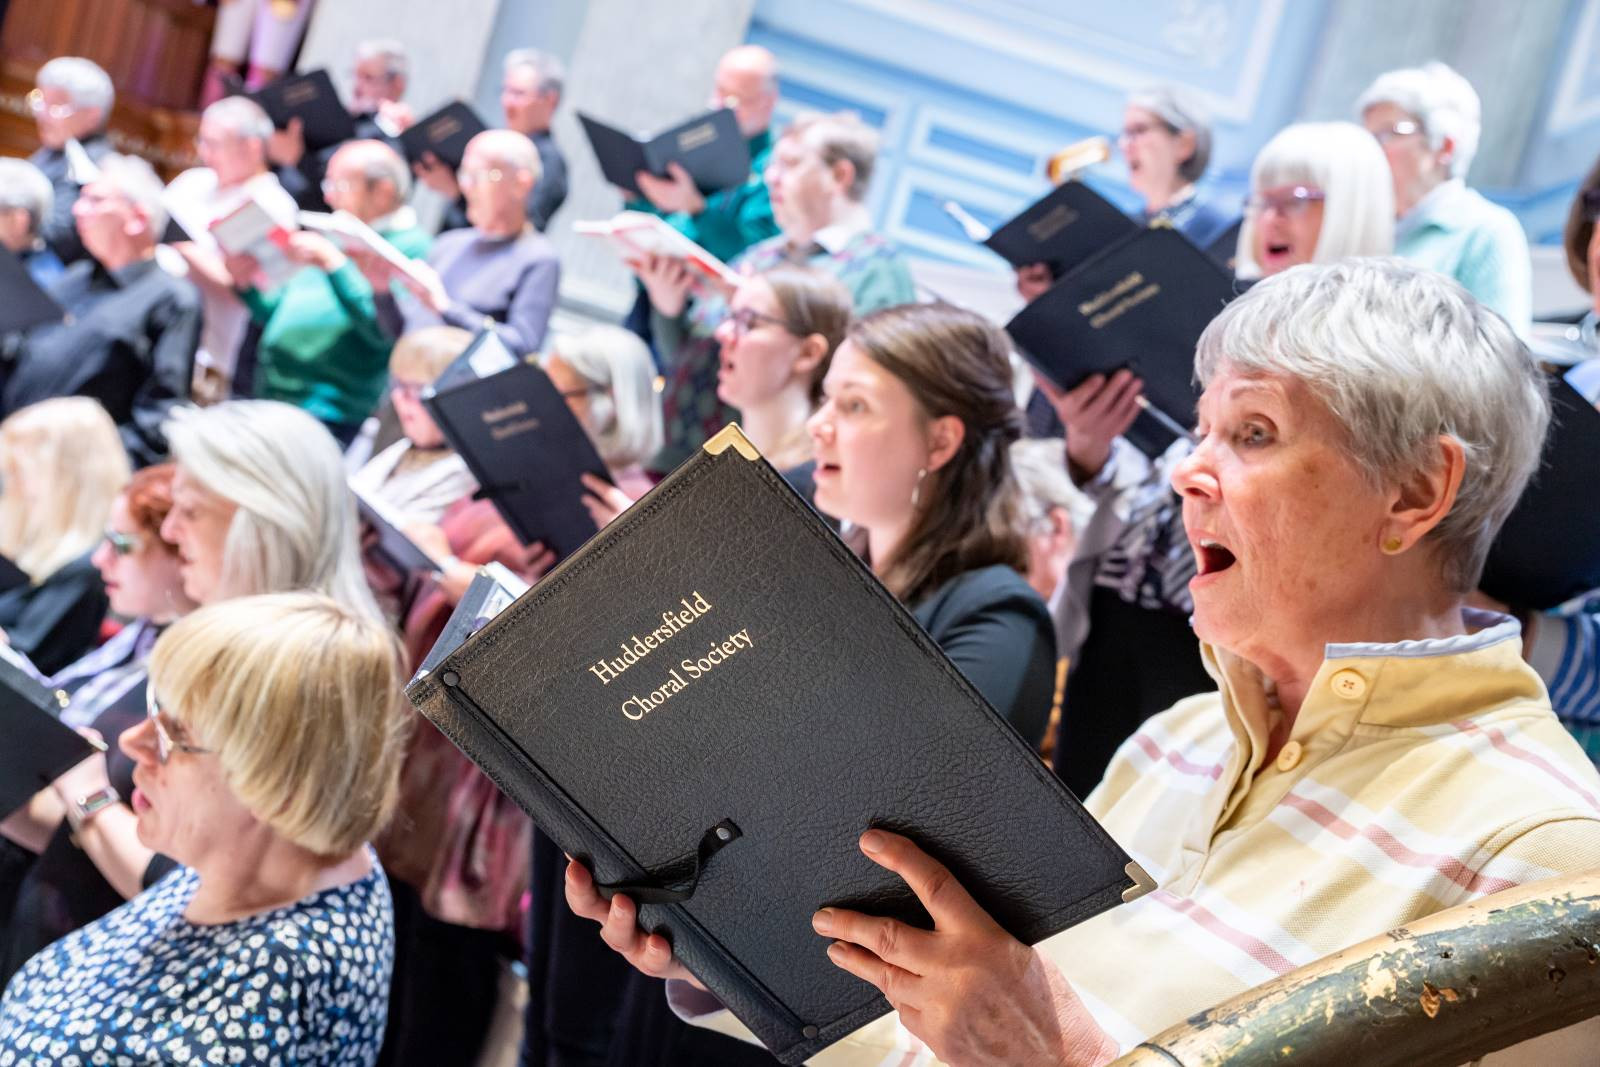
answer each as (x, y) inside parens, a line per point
(710, 147)
(1548, 551)
(23, 304)
(713, 699)
(1142, 305)
(393, 545)
(445, 133)
(1069, 226)
(490, 592)
(526, 449)
(11, 575)
(312, 99)
(36, 747)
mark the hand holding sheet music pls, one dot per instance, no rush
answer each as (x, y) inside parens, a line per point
(636, 235)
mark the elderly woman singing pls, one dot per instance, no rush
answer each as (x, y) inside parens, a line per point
(1375, 752)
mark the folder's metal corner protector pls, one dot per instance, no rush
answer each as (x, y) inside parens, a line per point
(730, 436)
(1142, 883)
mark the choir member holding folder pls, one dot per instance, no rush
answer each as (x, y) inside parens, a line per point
(1339, 529)
(64, 888)
(500, 272)
(818, 179)
(1319, 192)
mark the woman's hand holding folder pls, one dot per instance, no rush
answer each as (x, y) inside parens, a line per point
(1095, 411)
(666, 280)
(619, 927)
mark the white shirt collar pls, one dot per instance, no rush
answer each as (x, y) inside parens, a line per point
(837, 234)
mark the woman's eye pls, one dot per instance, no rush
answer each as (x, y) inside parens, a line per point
(1253, 434)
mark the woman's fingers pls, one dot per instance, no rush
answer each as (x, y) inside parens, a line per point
(946, 899)
(889, 940)
(897, 985)
(582, 897)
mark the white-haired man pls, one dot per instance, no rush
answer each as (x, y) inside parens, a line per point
(25, 200)
(530, 92)
(1428, 120)
(71, 101)
(129, 337)
(233, 150)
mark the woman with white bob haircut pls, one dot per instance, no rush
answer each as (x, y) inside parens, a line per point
(1428, 120)
(261, 505)
(1319, 191)
(270, 756)
(1375, 751)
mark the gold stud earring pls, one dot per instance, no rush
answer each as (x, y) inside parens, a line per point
(1392, 545)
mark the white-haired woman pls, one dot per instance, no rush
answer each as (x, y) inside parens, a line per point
(1366, 427)
(1428, 120)
(1166, 141)
(25, 202)
(62, 465)
(268, 759)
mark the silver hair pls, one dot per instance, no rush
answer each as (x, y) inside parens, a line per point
(84, 80)
(136, 179)
(1400, 354)
(1040, 467)
(396, 63)
(1180, 111)
(552, 73)
(23, 187)
(840, 135)
(1441, 100)
(1347, 164)
(380, 163)
(295, 527)
(624, 409)
(243, 116)
(509, 149)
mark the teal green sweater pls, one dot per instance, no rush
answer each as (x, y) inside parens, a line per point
(321, 346)
(733, 218)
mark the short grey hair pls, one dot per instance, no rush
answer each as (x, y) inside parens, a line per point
(396, 64)
(1180, 112)
(1441, 100)
(295, 528)
(552, 73)
(83, 80)
(1400, 354)
(243, 116)
(380, 163)
(509, 149)
(137, 180)
(23, 187)
(841, 135)
(1348, 165)
(1040, 467)
(624, 409)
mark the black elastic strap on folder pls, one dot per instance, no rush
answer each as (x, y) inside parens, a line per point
(484, 491)
(671, 884)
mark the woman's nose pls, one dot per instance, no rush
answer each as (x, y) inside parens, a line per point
(138, 743)
(1194, 476)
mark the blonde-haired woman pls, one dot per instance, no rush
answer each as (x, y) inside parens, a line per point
(420, 475)
(269, 759)
(62, 465)
(261, 505)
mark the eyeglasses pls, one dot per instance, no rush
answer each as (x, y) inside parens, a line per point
(1403, 128)
(166, 745)
(37, 105)
(1591, 204)
(744, 320)
(343, 185)
(469, 178)
(583, 392)
(124, 544)
(1134, 131)
(1290, 200)
(409, 390)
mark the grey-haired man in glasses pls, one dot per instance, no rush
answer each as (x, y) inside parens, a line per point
(71, 104)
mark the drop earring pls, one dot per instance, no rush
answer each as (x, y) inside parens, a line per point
(916, 490)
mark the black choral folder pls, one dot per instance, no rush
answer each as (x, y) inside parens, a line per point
(312, 99)
(709, 147)
(23, 304)
(445, 133)
(526, 449)
(36, 747)
(1069, 226)
(1548, 551)
(711, 701)
(1141, 304)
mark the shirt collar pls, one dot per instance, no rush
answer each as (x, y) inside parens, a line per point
(401, 218)
(1397, 685)
(129, 273)
(836, 235)
(1432, 210)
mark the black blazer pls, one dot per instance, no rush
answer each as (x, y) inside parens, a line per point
(997, 630)
(56, 621)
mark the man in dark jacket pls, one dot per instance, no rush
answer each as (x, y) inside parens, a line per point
(71, 102)
(129, 336)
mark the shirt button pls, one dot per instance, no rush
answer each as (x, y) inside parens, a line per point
(1348, 684)
(1289, 756)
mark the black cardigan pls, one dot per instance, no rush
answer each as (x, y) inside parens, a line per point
(58, 620)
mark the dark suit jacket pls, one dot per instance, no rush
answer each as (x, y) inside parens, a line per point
(56, 621)
(57, 228)
(994, 627)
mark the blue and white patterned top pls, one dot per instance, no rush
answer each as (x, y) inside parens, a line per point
(307, 984)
